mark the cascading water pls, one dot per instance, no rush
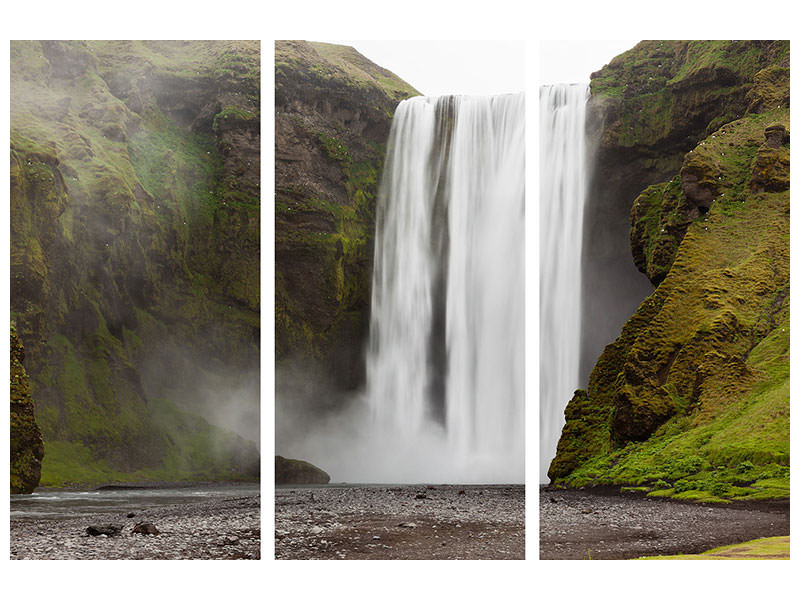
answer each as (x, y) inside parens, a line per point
(445, 364)
(444, 399)
(563, 173)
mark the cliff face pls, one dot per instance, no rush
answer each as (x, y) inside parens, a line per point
(649, 107)
(27, 448)
(333, 111)
(692, 399)
(135, 254)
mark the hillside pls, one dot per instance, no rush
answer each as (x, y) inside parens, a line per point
(692, 399)
(135, 255)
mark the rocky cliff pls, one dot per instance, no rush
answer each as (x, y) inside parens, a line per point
(27, 448)
(649, 107)
(135, 254)
(692, 399)
(333, 111)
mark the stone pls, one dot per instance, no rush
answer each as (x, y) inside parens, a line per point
(776, 136)
(290, 471)
(109, 530)
(145, 529)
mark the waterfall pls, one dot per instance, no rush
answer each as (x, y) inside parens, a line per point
(445, 362)
(563, 174)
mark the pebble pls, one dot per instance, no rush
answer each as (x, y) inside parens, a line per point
(188, 531)
(471, 522)
(629, 526)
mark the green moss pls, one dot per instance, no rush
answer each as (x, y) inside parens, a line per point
(230, 114)
(695, 392)
(661, 87)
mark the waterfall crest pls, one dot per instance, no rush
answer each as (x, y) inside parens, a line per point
(445, 363)
(563, 180)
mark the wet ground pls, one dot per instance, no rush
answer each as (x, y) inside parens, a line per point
(576, 524)
(400, 522)
(218, 528)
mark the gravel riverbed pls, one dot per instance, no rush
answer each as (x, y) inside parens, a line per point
(226, 528)
(577, 524)
(400, 522)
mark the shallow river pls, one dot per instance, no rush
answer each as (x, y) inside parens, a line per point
(64, 504)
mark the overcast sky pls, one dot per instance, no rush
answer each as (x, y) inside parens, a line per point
(573, 61)
(486, 67)
(450, 67)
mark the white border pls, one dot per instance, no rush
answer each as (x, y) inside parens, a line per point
(415, 19)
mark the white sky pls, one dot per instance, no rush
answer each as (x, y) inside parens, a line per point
(450, 67)
(572, 61)
(487, 67)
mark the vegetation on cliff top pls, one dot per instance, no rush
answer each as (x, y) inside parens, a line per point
(692, 400)
(135, 244)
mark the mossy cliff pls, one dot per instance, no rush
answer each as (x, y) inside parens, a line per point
(135, 254)
(692, 399)
(649, 107)
(333, 111)
(27, 448)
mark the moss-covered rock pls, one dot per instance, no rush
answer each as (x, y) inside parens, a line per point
(692, 397)
(290, 471)
(135, 249)
(333, 110)
(27, 448)
(649, 107)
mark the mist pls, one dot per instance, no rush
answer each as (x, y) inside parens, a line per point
(351, 446)
(141, 290)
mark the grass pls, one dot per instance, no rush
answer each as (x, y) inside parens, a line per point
(772, 548)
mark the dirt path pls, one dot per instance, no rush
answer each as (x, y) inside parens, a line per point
(406, 522)
(578, 524)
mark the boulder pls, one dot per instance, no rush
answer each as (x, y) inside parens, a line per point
(290, 471)
(109, 530)
(145, 529)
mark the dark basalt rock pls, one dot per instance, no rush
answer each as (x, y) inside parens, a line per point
(776, 136)
(109, 530)
(290, 471)
(145, 529)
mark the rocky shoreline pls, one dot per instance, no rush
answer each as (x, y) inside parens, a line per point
(226, 528)
(599, 524)
(400, 522)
